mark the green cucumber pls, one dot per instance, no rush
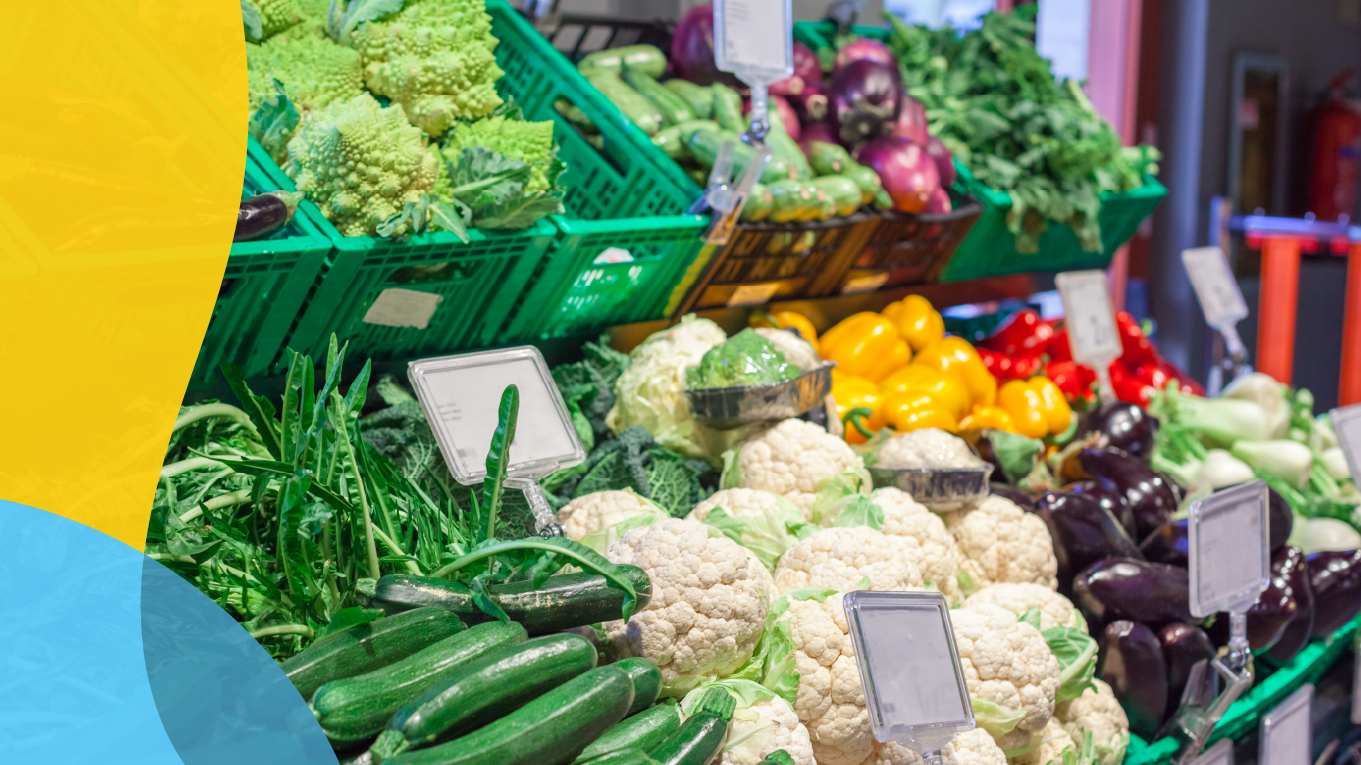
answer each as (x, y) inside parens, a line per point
(671, 140)
(704, 145)
(700, 98)
(644, 731)
(645, 58)
(673, 108)
(563, 601)
(484, 690)
(356, 708)
(727, 107)
(866, 179)
(366, 647)
(758, 204)
(844, 192)
(647, 681)
(829, 158)
(632, 103)
(550, 730)
(624, 757)
(694, 743)
(790, 201)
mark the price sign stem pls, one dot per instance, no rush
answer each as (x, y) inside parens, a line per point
(545, 520)
(1221, 300)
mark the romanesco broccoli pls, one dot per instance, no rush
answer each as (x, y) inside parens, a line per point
(362, 164)
(314, 71)
(528, 142)
(276, 15)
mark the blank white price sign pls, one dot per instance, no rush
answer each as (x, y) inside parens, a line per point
(1287, 731)
(1229, 550)
(1219, 754)
(1088, 316)
(461, 396)
(1347, 424)
(754, 37)
(1220, 296)
(905, 649)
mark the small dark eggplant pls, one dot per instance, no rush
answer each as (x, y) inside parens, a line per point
(1169, 544)
(1125, 426)
(1277, 606)
(1134, 667)
(264, 214)
(1022, 499)
(1290, 565)
(1183, 646)
(1177, 489)
(1335, 579)
(1280, 521)
(1084, 532)
(1151, 501)
(1124, 588)
(1108, 498)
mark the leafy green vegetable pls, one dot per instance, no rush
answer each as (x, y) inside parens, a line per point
(745, 359)
(767, 536)
(634, 461)
(1076, 652)
(273, 122)
(342, 20)
(250, 18)
(498, 456)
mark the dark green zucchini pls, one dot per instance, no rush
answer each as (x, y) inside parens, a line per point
(563, 602)
(694, 743)
(727, 107)
(645, 58)
(366, 647)
(674, 109)
(633, 104)
(623, 757)
(704, 145)
(643, 731)
(647, 681)
(700, 98)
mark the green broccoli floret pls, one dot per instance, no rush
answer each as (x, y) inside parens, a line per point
(277, 15)
(528, 142)
(314, 70)
(435, 59)
(361, 164)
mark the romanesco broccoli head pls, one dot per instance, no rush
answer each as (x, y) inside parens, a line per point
(529, 142)
(277, 15)
(361, 163)
(314, 70)
(435, 59)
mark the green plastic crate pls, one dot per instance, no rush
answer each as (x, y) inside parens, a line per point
(263, 291)
(573, 295)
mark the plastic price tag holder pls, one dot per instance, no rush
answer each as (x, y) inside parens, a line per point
(1229, 565)
(1090, 323)
(909, 666)
(1221, 299)
(461, 396)
(1287, 732)
(1347, 425)
(1219, 754)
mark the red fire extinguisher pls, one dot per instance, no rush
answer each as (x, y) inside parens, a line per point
(1337, 152)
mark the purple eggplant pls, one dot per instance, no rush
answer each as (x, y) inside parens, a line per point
(264, 214)
(1183, 646)
(1277, 606)
(1280, 521)
(1168, 544)
(1335, 579)
(1084, 532)
(1123, 425)
(1151, 501)
(1289, 564)
(1110, 500)
(1125, 588)
(865, 98)
(1134, 667)
(1022, 500)
(1177, 489)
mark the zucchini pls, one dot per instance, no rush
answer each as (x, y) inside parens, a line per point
(758, 204)
(695, 742)
(645, 58)
(647, 681)
(484, 690)
(781, 145)
(673, 108)
(550, 730)
(356, 708)
(790, 201)
(727, 107)
(704, 144)
(866, 179)
(843, 191)
(700, 98)
(829, 158)
(575, 115)
(632, 103)
(643, 731)
(366, 647)
(671, 140)
(563, 602)
(823, 205)
(625, 757)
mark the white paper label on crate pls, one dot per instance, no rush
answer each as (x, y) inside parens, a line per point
(1286, 731)
(1229, 550)
(752, 294)
(461, 396)
(754, 36)
(865, 284)
(613, 255)
(1347, 424)
(396, 307)
(1219, 754)
(909, 666)
(1088, 316)
(1220, 297)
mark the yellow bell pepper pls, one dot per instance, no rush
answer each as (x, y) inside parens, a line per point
(852, 392)
(917, 321)
(865, 345)
(916, 409)
(954, 356)
(990, 417)
(1055, 407)
(787, 320)
(949, 391)
(1026, 407)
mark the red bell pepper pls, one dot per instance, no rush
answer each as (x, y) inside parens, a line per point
(1058, 347)
(1005, 367)
(1137, 350)
(1161, 371)
(1024, 334)
(1127, 386)
(1073, 379)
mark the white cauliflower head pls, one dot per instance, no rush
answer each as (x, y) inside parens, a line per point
(1017, 597)
(839, 558)
(796, 350)
(708, 603)
(831, 701)
(737, 503)
(1011, 674)
(975, 747)
(761, 723)
(1003, 543)
(1097, 712)
(598, 519)
(764, 523)
(791, 459)
(934, 549)
(925, 448)
(1049, 746)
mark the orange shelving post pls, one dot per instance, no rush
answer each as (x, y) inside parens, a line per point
(1276, 306)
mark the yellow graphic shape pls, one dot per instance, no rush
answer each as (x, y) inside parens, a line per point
(122, 148)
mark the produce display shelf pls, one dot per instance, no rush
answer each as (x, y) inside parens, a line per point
(1245, 714)
(911, 249)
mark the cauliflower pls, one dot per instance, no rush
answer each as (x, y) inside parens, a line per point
(975, 747)
(792, 459)
(1099, 713)
(1049, 746)
(314, 70)
(761, 723)
(935, 551)
(1003, 543)
(1055, 610)
(361, 163)
(830, 701)
(925, 448)
(708, 605)
(766, 524)
(1011, 674)
(600, 518)
(528, 142)
(433, 58)
(840, 558)
(737, 503)
(796, 350)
